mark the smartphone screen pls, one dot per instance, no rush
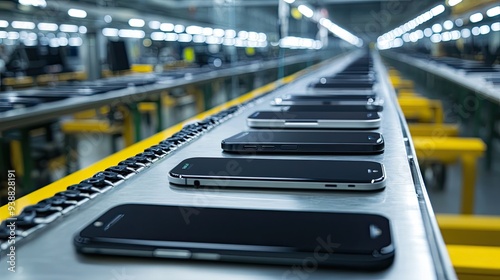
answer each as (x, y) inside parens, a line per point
(233, 232)
(333, 108)
(250, 172)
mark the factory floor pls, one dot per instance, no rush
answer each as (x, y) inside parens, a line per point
(487, 188)
(486, 194)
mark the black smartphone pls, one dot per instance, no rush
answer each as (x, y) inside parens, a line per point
(350, 240)
(332, 108)
(312, 119)
(324, 99)
(279, 173)
(349, 79)
(333, 83)
(326, 103)
(343, 76)
(337, 142)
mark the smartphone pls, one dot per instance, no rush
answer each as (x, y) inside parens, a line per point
(310, 99)
(332, 108)
(349, 240)
(311, 119)
(328, 102)
(324, 142)
(279, 173)
(339, 91)
(332, 83)
(368, 76)
(347, 79)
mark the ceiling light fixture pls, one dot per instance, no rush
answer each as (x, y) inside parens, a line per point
(437, 10)
(452, 3)
(68, 28)
(493, 12)
(136, 22)
(131, 33)
(167, 27)
(45, 26)
(306, 11)
(194, 30)
(23, 24)
(477, 17)
(34, 3)
(77, 13)
(110, 32)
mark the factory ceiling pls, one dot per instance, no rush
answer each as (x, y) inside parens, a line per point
(365, 18)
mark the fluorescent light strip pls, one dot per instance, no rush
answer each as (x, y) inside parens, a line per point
(194, 30)
(465, 33)
(185, 38)
(298, 43)
(157, 36)
(485, 29)
(171, 37)
(495, 26)
(214, 40)
(448, 24)
(452, 3)
(207, 31)
(136, 22)
(34, 3)
(154, 24)
(306, 11)
(341, 32)
(437, 10)
(476, 31)
(230, 33)
(219, 32)
(68, 28)
(23, 25)
(228, 41)
(110, 32)
(493, 12)
(410, 25)
(262, 37)
(179, 28)
(243, 35)
(199, 38)
(77, 13)
(196, 34)
(477, 17)
(45, 26)
(131, 33)
(167, 27)
(75, 41)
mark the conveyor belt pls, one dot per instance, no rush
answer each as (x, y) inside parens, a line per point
(420, 252)
(43, 112)
(482, 84)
